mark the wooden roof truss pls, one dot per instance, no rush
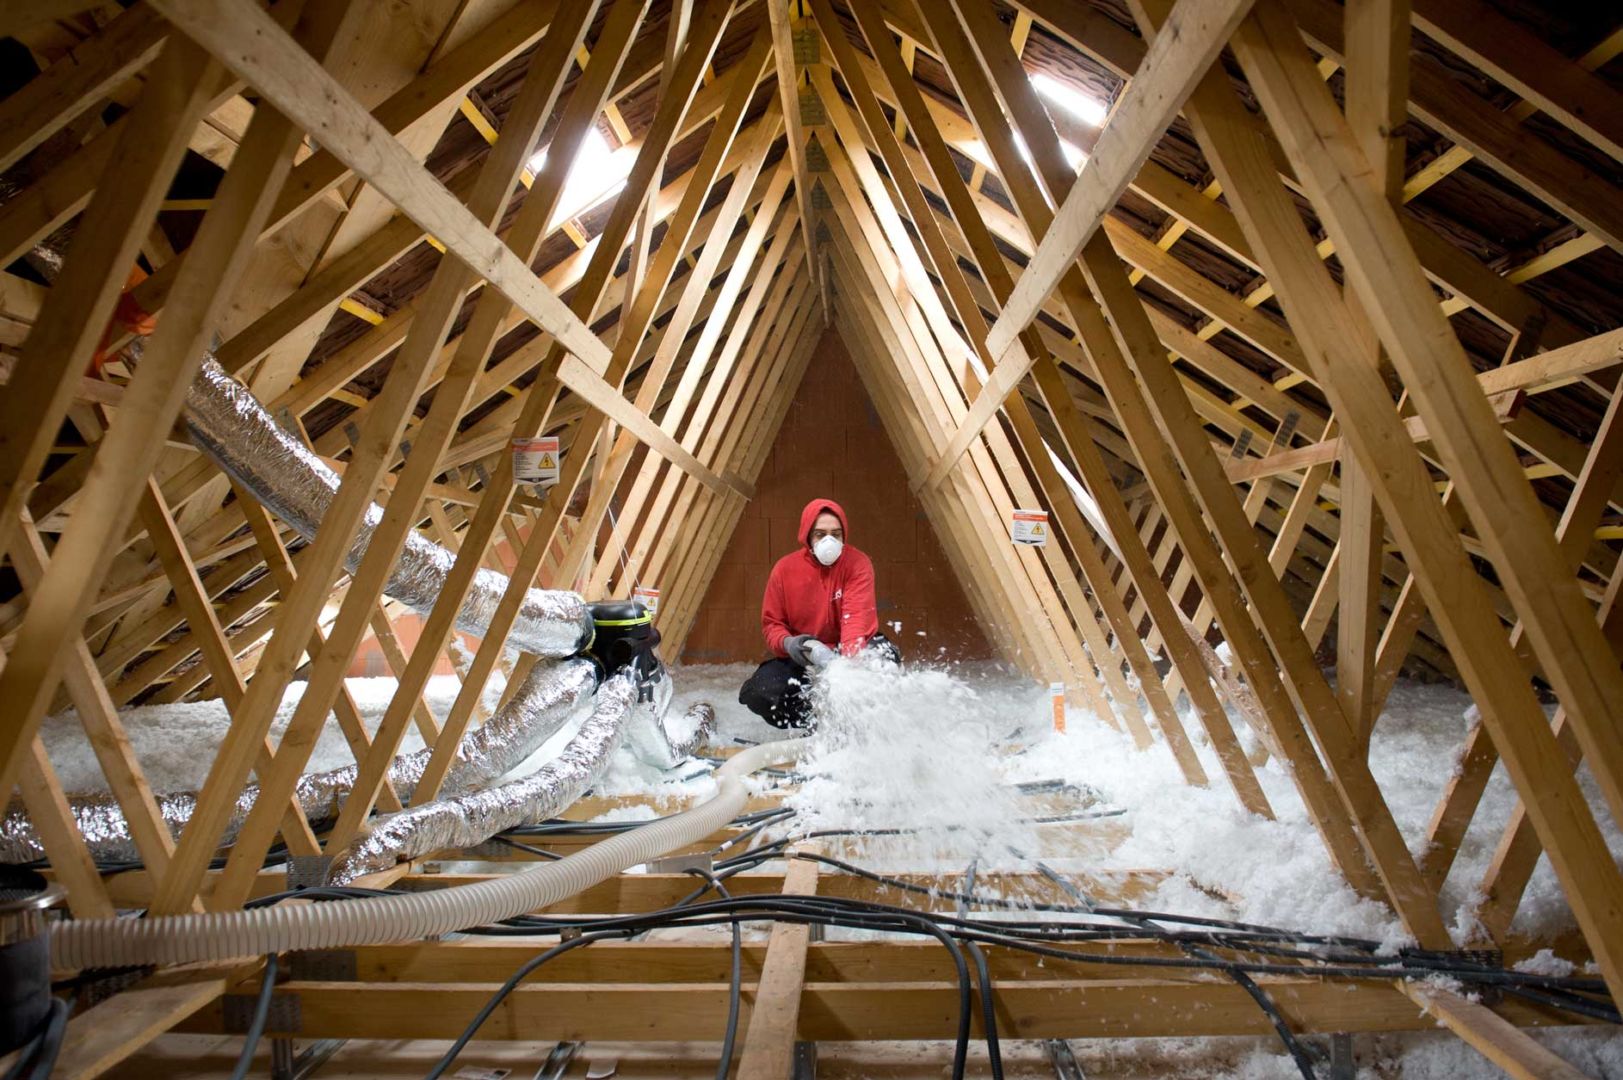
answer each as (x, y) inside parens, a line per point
(1303, 398)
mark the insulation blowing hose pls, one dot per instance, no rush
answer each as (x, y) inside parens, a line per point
(180, 939)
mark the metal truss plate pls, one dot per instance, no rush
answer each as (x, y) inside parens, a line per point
(322, 965)
(307, 871)
(284, 1017)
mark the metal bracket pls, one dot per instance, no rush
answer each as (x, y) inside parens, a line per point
(812, 112)
(322, 965)
(284, 1017)
(806, 46)
(1063, 1059)
(558, 1061)
(816, 157)
(308, 871)
(98, 990)
(1342, 1064)
(681, 864)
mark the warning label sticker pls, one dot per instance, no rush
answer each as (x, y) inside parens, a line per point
(648, 597)
(1029, 527)
(535, 461)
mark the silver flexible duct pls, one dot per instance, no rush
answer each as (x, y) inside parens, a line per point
(230, 425)
(234, 430)
(546, 701)
(548, 697)
(225, 935)
(475, 817)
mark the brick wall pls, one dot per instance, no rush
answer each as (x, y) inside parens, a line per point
(833, 446)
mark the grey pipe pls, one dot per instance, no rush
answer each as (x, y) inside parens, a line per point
(548, 698)
(464, 820)
(231, 426)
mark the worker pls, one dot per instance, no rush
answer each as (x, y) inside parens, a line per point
(819, 604)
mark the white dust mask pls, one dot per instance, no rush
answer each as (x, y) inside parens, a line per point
(828, 550)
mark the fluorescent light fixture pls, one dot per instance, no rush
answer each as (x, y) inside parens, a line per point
(1078, 104)
(597, 173)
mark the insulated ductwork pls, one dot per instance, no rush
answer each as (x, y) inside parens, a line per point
(230, 425)
(180, 939)
(470, 819)
(546, 701)
(234, 430)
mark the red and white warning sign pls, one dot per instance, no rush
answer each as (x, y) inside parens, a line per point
(1029, 527)
(648, 597)
(535, 461)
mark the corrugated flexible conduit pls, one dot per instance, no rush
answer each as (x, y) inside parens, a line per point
(179, 939)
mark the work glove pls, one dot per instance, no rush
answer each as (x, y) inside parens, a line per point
(818, 654)
(798, 646)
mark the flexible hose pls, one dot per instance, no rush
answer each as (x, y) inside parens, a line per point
(180, 939)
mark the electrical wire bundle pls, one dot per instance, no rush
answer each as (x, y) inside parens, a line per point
(1237, 950)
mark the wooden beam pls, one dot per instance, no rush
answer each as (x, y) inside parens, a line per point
(987, 101)
(1490, 134)
(1170, 70)
(1505, 404)
(1376, 87)
(783, 64)
(1457, 597)
(76, 310)
(489, 198)
(834, 1011)
(170, 360)
(769, 1042)
(1545, 77)
(105, 1035)
(1560, 623)
(258, 51)
(77, 80)
(1491, 1035)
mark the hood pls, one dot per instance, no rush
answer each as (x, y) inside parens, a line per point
(818, 506)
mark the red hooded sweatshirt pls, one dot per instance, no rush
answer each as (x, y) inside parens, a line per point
(834, 604)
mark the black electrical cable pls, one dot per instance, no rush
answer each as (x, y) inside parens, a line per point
(1042, 938)
(276, 856)
(506, 988)
(1594, 1010)
(870, 915)
(551, 856)
(37, 1057)
(983, 975)
(256, 1027)
(1293, 1046)
(531, 965)
(809, 909)
(735, 988)
(756, 824)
